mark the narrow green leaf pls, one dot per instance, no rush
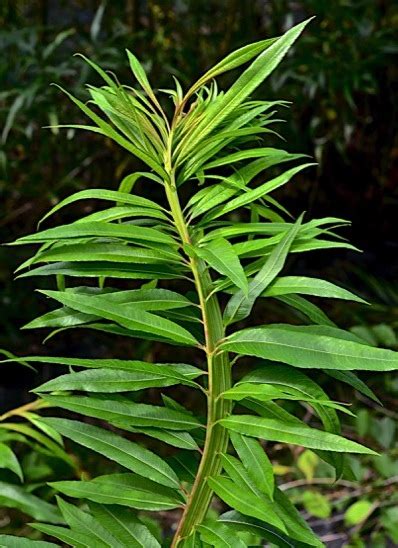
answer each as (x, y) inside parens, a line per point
(124, 526)
(295, 523)
(251, 78)
(304, 285)
(113, 380)
(240, 305)
(98, 230)
(67, 536)
(220, 255)
(303, 348)
(256, 193)
(129, 318)
(83, 523)
(132, 456)
(175, 438)
(239, 522)
(122, 411)
(107, 130)
(275, 430)
(141, 76)
(124, 489)
(9, 460)
(233, 60)
(310, 310)
(350, 378)
(256, 462)
(109, 270)
(14, 496)
(8, 541)
(219, 535)
(177, 370)
(245, 502)
(105, 252)
(102, 194)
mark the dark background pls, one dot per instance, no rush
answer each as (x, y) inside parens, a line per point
(341, 78)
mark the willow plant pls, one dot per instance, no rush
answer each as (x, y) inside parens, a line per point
(201, 272)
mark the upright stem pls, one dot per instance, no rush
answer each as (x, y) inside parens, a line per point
(219, 375)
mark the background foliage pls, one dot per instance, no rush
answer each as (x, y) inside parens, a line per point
(342, 81)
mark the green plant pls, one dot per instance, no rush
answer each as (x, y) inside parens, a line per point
(211, 141)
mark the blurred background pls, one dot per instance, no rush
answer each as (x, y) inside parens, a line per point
(341, 78)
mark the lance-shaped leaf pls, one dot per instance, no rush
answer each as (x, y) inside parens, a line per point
(301, 347)
(268, 392)
(231, 61)
(113, 380)
(142, 78)
(98, 230)
(106, 129)
(117, 253)
(9, 460)
(256, 462)
(67, 536)
(240, 522)
(220, 255)
(124, 526)
(244, 501)
(102, 194)
(14, 496)
(304, 285)
(175, 438)
(209, 197)
(84, 523)
(279, 375)
(350, 378)
(124, 489)
(128, 317)
(276, 430)
(132, 456)
(295, 525)
(243, 87)
(122, 411)
(255, 194)
(220, 535)
(310, 310)
(240, 305)
(19, 542)
(108, 270)
(175, 370)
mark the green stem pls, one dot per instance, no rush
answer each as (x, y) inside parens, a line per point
(219, 375)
